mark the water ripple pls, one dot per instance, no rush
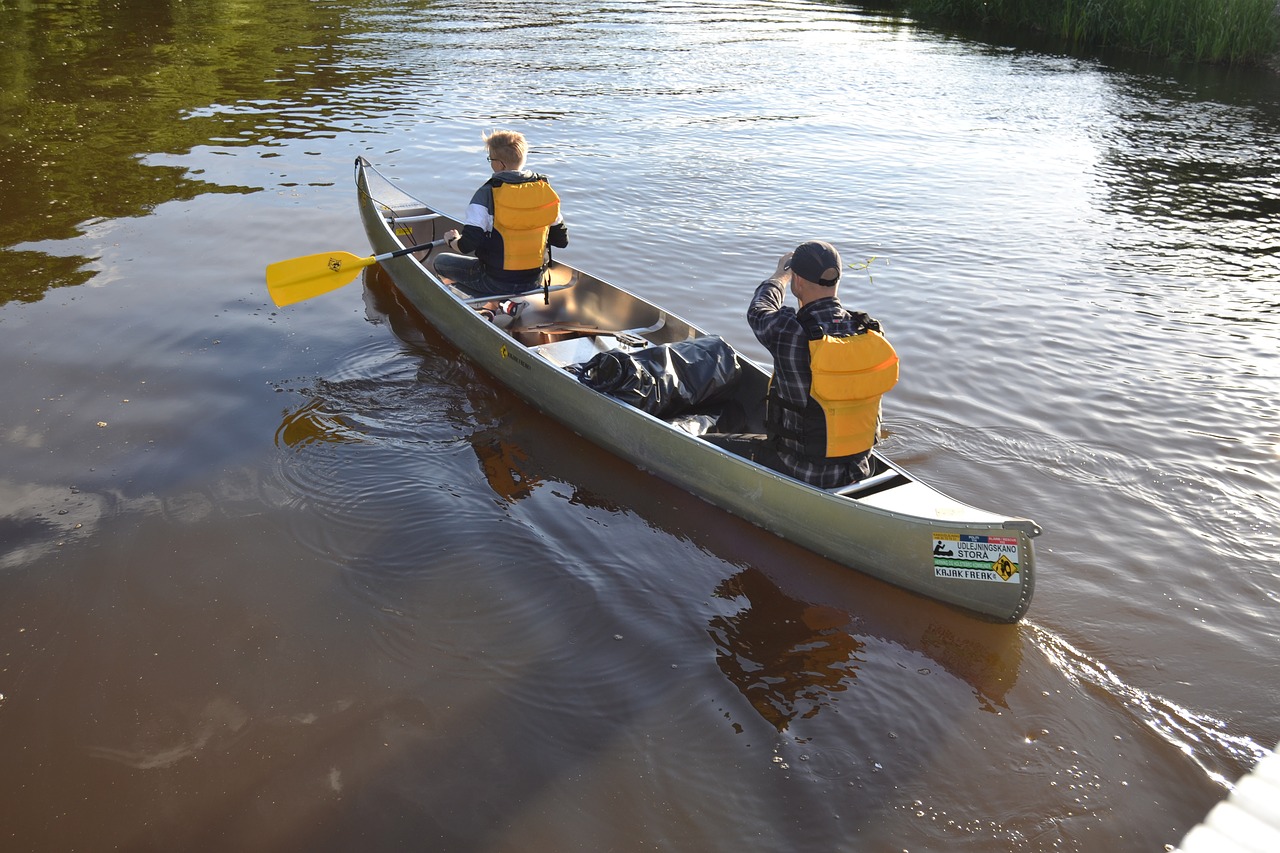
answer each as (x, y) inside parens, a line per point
(388, 463)
(1220, 753)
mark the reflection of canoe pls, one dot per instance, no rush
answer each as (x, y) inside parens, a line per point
(890, 526)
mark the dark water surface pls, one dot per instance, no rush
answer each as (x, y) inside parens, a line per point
(304, 579)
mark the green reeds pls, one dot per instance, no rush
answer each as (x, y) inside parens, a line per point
(1197, 30)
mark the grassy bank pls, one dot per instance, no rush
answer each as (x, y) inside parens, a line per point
(1234, 31)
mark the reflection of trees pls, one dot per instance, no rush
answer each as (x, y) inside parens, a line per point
(88, 88)
(787, 657)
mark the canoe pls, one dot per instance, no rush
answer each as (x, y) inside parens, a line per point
(891, 525)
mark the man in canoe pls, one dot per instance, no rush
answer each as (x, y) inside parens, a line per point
(510, 222)
(830, 368)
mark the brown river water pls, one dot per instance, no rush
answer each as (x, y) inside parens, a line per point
(305, 579)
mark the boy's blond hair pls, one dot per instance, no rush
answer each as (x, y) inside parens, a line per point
(509, 146)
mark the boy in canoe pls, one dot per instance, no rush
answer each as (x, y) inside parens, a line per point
(510, 222)
(830, 368)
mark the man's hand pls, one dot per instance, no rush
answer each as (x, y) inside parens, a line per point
(783, 273)
(451, 239)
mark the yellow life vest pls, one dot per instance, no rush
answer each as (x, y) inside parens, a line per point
(849, 376)
(522, 214)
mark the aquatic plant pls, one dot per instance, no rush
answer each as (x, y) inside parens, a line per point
(1233, 31)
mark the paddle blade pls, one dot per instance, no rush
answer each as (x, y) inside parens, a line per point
(302, 278)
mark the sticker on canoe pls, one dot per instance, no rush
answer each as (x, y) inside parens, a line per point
(963, 556)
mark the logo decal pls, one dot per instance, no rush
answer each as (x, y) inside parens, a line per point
(975, 558)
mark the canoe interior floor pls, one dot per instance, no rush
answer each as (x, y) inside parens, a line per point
(577, 350)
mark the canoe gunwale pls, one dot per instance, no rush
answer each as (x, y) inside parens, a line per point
(878, 540)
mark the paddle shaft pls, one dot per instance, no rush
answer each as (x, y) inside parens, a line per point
(302, 278)
(398, 252)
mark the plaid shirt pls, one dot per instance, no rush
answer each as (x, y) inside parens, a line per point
(786, 334)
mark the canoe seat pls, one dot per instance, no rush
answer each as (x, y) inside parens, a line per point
(872, 483)
(390, 216)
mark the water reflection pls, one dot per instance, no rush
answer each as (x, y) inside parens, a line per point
(342, 411)
(503, 463)
(312, 423)
(97, 88)
(788, 658)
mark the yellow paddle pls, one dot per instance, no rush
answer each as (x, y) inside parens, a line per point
(302, 278)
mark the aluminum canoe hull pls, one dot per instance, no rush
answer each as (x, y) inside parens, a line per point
(904, 532)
